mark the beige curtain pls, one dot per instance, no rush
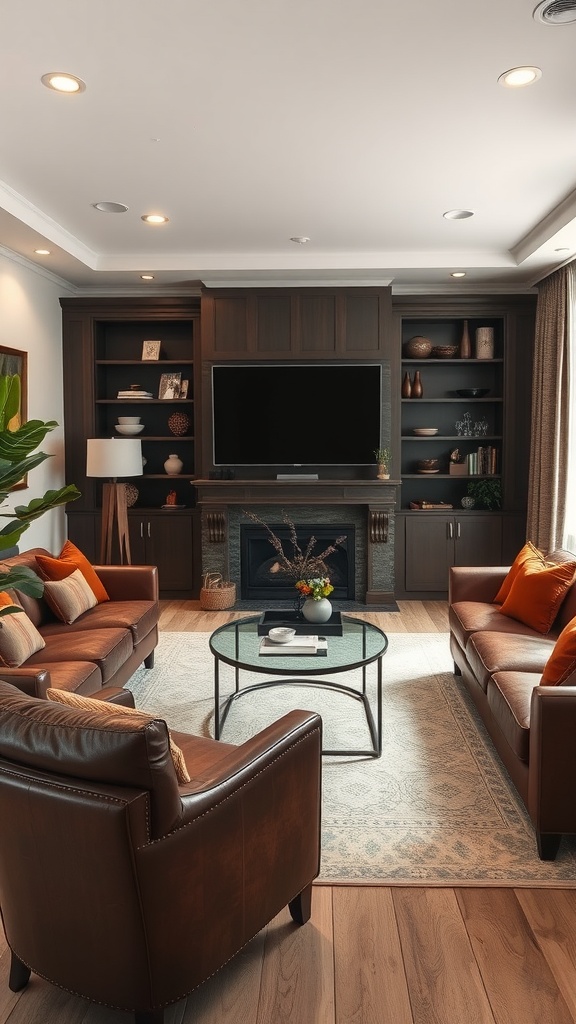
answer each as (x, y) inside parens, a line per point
(550, 421)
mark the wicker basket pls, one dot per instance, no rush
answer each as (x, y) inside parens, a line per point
(216, 594)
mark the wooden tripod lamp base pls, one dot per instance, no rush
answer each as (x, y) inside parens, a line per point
(112, 458)
(114, 508)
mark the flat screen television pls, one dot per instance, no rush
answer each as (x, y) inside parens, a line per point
(274, 414)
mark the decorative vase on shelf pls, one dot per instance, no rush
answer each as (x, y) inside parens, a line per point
(418, 347)
(173, 465)
(382, 472)
(465, 344)
(179, 423)
(484, 343)
(417, 388)
(406, 386)
(317, 611)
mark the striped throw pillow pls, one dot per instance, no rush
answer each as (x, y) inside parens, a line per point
(19, 638)
(70, 597)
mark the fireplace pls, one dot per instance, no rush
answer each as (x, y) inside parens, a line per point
(362, 509)
(261, 580)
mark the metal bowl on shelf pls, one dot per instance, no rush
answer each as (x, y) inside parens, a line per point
(428, 465)
(472, 392)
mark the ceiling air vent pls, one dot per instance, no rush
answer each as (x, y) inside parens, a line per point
(556, 12)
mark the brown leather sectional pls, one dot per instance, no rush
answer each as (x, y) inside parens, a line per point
(98, 652)
(533, 727)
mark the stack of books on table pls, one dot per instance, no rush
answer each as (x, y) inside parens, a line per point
(307, 645)
(134, 394)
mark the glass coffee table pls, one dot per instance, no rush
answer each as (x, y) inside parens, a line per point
(360, 645)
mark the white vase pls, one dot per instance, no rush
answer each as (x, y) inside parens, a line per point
(173, 465)
(316, 611)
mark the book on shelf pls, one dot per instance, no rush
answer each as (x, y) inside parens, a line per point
(134, 394)
(307, 645)
(483, 462)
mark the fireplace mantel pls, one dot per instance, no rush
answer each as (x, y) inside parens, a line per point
(219, 501)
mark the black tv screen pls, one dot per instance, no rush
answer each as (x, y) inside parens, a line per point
(297, 414)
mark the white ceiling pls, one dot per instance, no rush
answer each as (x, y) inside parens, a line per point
(246, 122)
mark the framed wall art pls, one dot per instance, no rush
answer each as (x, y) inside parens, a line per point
(14, 361)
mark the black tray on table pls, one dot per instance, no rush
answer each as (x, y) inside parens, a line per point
(285, 617)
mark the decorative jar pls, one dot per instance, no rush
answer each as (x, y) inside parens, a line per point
(317, 611)
(173, 465)
(418, 347)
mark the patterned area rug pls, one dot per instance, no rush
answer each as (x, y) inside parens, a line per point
(436, 809)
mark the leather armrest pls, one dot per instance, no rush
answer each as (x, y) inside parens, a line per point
(553, 758)
(115, 695)
(33, 683)
(279, 742)
(129, 582)
(475, 583)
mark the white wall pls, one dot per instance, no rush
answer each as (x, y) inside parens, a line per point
(30, 320)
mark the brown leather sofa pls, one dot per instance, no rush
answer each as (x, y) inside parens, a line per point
(532, 727)
(100, 650)
(124, 887)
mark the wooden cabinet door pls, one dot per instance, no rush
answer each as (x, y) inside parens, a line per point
(478, 540)
(169, 546)
(429, 551)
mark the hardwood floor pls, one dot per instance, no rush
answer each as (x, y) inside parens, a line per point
(371, 955)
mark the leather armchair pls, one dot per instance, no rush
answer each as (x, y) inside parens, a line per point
(124, 887)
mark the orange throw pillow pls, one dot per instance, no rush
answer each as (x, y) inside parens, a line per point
(562, 661)
(528, 551)
(537, 593)
(69, 559)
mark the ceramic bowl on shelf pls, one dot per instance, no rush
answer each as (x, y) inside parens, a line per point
(128, 419)
(445, 351)
(129, 429)
(425, 431)
(472, 392)
(428, 465)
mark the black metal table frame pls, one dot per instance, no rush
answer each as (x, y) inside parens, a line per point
(375, 727)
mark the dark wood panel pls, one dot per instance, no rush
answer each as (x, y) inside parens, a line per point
(362, 324)
(429, 552)
(478, 540)
(273, 323)
(317, 315)
(230, 325)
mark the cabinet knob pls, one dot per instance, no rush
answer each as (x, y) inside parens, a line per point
(451, 531)
(149, 534)
(142, 529)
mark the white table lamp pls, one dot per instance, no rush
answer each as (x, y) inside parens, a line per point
(113, 457)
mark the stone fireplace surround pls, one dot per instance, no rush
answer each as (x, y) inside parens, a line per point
(367, 504)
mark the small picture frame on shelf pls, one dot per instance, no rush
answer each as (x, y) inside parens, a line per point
(151, 349)
(169, 386)
(184, 389)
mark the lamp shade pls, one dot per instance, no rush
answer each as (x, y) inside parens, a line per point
(113, 457)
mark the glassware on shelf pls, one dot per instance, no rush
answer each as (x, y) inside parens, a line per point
(464, 426)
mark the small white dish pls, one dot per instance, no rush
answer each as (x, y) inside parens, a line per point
(281, 634)
(128, 419)
(425, 431)
(129, 429)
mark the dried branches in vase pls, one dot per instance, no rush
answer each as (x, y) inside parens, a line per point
(304, 564)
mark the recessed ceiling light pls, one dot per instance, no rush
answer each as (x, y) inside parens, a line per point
(110, 207)
(61, 81)
(147, 277)
(555, 12)
(458, 214)
(154, 218)
(42, 252)
(515, 78)
(300, 239)
(458, 273)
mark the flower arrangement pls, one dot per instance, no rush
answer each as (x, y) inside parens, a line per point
(316, 588)
(304, 566)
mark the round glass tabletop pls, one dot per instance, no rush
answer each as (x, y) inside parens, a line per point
(238, 643)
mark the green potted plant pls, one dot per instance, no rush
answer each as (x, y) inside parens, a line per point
(383, 456)
(16, 460)
(486, 493)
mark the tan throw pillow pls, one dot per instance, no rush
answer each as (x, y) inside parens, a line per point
(69, 598)
(104, 707)
(19, 638)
